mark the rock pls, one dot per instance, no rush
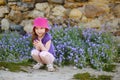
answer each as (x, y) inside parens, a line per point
(81, 0)
(58, 21)
(73, 5)
(117, 33)
(6, 69)
(47, 12)
(5, 24)
(84, 19)
(69, 0)
(27, 6)
(72, 22)
(18, 28)
(112, 26)
(95, 10)
(12, 2)
(40, 1)
(15, 27)
(100, 1)
(41, 6)
(116, 10)
(2, 67)
(1, 14)
(3, 10)
(56, 1)
(58, 10)
(51, 17)
(75, 67)
(15, 16)
(35, 13)
(115, 1)
(75, 14)
(28, 0)
(14, 7)
(28, 27)
(93, 24)
(106, 17)
(2, 2)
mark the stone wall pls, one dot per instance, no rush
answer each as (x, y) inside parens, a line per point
(100, 14)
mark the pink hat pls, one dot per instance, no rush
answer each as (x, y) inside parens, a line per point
(41, 22)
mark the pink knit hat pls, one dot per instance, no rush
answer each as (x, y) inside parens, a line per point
(41, 22)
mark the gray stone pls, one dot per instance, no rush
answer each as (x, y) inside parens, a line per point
(116, 10)
(56, 1)
(94, 10)
(39, 1)
(5, 24)
(81, 0)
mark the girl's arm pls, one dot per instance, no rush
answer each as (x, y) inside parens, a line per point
(42, 47)
(35, 43)
(46, 47)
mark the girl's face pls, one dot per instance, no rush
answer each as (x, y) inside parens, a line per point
(40, 31)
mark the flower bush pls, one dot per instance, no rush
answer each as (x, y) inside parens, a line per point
(101, 48)
(69, 46)
(83, 47)
(14, 47)
(73, 45)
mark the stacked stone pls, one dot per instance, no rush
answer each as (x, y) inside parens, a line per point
(88, 13)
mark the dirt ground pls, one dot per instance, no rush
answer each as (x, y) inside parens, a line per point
(63, 73)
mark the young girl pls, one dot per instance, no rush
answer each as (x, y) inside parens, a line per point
(44, 50)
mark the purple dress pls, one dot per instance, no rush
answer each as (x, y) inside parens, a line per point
(45, 39)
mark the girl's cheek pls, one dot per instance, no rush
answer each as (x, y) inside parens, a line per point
(34, 42)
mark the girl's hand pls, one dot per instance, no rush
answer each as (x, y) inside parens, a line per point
(38, 44)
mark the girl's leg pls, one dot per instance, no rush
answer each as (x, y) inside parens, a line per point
(35, 54)
(48, 59)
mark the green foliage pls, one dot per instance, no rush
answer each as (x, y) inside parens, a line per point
(109, 68)
(74, 46)
(82, 76)
(104, 77)
(117, 59)
(14, 67)
(87, 76)
(14, 47)
(83, 47)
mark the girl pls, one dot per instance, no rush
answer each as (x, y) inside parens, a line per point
(44, 50)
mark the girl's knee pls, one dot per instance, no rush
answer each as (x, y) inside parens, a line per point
(34, 52)
(43, 54)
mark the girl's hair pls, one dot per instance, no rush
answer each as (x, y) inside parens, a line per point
(39, 22)
(34, 35)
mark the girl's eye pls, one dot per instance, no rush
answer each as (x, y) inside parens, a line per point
(42, 28)
(36, 28)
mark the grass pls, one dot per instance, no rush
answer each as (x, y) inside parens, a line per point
(104, 77)
(14, 67)
(87, 76)
(117, 59)
(82, 76)
(109, 68)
